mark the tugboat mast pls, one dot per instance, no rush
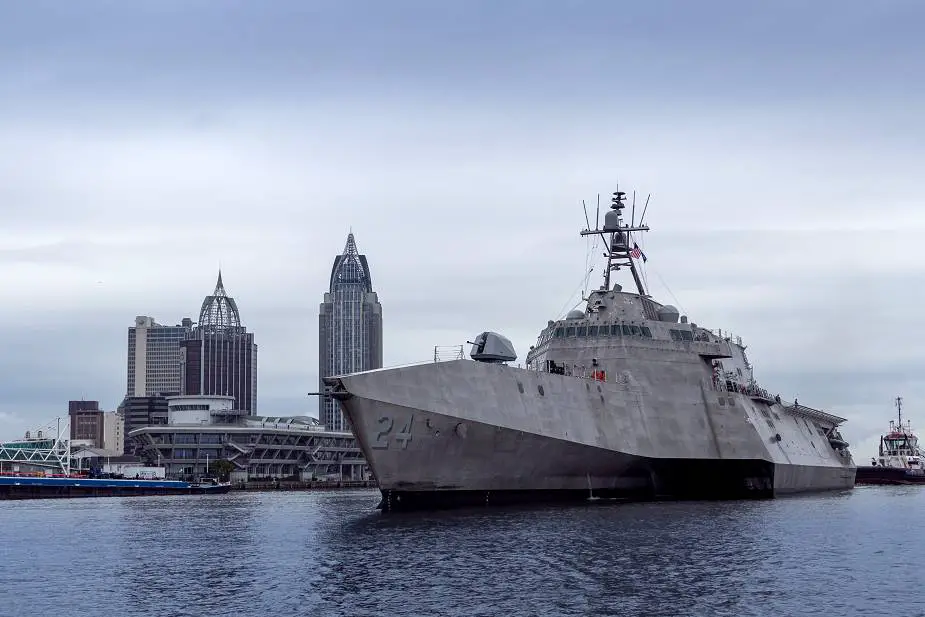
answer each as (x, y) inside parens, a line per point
(899, 409)
(619, 252)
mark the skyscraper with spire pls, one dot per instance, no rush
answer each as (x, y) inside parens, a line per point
(349, 328)
(220, 356)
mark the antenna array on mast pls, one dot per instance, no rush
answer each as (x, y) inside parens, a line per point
(616, 235)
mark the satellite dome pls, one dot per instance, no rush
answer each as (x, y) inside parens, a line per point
(575, 314)
(668, 313)
(611, 221)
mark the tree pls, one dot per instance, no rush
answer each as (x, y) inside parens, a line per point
(221, 469)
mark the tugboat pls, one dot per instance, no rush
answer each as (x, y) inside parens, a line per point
(901, 460)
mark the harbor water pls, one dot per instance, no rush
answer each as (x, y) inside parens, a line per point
(331, 553)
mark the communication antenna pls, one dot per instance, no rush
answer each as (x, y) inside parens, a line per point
(633, 211)
(646, 207)
(597, 216)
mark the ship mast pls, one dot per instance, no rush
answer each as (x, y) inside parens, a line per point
(899, 410)
(616, 237)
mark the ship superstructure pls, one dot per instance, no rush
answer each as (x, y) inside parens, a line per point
(625, 397)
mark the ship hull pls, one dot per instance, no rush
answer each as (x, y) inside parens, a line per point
(869, 474)
(425, 432)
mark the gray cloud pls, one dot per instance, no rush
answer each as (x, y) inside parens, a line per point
(458, 143)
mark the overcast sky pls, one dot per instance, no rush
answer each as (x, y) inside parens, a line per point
(144, 144)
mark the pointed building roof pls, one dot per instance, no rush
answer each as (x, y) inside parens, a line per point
(219, 310)
(350, 267)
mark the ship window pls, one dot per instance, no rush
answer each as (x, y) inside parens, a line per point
(626, 330)
(592, 330)
(646, 332)
(570, 331)
(635, 330)
(675, 335)
(582, 330)
(686, 335)
(615, 330)
(560, 332)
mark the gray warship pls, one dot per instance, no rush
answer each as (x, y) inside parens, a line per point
(623, 399)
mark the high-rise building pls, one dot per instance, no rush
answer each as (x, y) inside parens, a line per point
(113, 433)
(154, 357)
(104, 429)
(219, 357)
(349, 328)
(86, 421)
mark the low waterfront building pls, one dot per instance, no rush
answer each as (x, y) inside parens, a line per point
(203, 429)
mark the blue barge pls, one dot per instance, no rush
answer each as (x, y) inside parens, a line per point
(46, 487)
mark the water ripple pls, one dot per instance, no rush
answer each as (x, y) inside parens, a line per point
(333, 554)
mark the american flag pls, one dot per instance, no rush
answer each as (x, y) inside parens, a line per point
(636, 253)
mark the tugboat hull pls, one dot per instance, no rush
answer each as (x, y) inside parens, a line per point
(870, 474)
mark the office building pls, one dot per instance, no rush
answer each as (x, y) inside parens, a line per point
(349, 328)
(154, 357)
(140, 411)
(86, 421)
(219, 357)
(101, 429)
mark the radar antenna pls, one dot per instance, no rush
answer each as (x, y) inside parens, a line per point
(616, 236)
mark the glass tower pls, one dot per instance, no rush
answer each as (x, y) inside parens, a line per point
(349, 329)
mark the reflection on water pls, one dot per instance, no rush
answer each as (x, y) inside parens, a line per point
(334, 554)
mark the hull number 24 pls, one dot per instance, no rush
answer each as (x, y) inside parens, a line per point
(385, 436)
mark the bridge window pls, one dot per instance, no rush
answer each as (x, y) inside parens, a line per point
(592, 330)
(635, 330)
(582, 331)
(615, 330)
(560, 332)
(686, 335)
(627, 331)
(570, 331)
(646, 332)
(675, 335)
